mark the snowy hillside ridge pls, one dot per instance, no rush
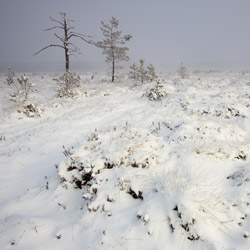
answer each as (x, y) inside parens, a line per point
(124, 166)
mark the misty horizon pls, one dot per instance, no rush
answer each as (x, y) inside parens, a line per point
(87, 66)
(203, 35)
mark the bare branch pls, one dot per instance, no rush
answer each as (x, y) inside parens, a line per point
(55, 27)
(51, 45)
(70, 20)
(54, 20)
(79, 34)
(74, 35)
(73, 45)
(74, 49)
(60, 38)
(72, 52)
(81, 37)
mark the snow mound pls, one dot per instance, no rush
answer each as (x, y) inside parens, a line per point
(133, 173)
(125, 146)
(129, 179)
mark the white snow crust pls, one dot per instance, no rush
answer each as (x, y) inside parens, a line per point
(111, 169)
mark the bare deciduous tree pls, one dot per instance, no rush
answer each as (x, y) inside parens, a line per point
(64, 24)
(111, 44)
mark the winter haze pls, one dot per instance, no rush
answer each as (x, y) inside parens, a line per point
(150, 158)
(202, 34)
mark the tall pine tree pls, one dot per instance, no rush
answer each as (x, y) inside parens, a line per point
(112, 44)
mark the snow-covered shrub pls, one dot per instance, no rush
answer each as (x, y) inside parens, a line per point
(69, 81)
(66, 92)
(182, 72)
(81, 174)
(31, 110)
(16, 97)
(124, 147)
(157, 93)
(10, 77)
(105, 163)
(194, 204)
(25, 85)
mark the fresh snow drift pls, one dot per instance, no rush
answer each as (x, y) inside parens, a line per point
(115, 169)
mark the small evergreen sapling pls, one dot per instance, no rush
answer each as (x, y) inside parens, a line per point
(142, 74)
(69, 82)
(183, 73)
(157, 93)
(10, 77)
(133, 73)
(151, 74)
(142, 71)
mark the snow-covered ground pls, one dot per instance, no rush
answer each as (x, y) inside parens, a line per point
(113, 170)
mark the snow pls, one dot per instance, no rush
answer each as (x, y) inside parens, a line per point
(111, 169)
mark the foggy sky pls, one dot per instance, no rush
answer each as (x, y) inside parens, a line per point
(199, 33)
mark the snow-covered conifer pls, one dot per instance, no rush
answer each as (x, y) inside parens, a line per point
(182, 71)
(157, 93)
(112, 44)
(133, 73)
(151, 74)
(142, 71)
(10, 77)
(69, 82)
(142, 74)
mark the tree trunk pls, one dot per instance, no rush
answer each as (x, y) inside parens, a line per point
(25, 90)
(66, 44)
(113, 70)
(113, 64)
(67, 59)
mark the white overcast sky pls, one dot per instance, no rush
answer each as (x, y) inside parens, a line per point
(164, 31)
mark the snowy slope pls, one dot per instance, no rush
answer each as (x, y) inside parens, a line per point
(113, 170)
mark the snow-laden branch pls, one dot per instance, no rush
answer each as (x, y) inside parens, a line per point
(87, 39)
(51, 45)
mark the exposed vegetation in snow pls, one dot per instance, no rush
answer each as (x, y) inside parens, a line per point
(163, 165)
